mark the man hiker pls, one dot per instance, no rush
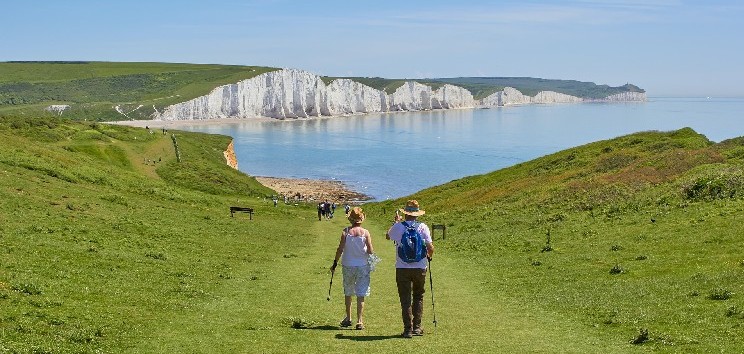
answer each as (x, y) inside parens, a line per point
(414, 249)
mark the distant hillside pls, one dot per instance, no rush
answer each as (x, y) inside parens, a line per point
(109, 91)
(484, 86)
(94, 89)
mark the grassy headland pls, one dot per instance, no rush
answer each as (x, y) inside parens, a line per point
(110, 244)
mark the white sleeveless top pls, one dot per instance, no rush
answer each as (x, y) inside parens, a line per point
(355, 250)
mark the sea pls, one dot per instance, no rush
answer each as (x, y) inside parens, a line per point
(392, 155)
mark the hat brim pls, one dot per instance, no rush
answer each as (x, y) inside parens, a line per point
(412, 213)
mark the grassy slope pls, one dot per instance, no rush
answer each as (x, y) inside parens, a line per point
(103, 251)
(638, 232)
(94, 88)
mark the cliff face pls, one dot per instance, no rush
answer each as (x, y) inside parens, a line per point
(627, 96)
(230, 157)
(291, 93)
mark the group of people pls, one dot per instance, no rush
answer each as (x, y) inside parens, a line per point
(355, 250)
(326, 210)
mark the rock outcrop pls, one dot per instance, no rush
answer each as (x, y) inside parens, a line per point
(291, 93)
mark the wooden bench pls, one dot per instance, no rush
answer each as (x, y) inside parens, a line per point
(439, 227)
(235, 209)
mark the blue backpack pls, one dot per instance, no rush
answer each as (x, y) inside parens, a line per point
(412, 247)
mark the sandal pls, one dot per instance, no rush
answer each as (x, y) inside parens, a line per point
(359, 326)
(345, 323)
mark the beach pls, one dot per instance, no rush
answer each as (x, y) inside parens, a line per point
(313, 190)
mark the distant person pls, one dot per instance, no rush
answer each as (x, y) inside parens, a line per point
(355, 246)
(276, 200)
(410, 273)
(346, 209)
(327, 210)
(333, 209)
(320, 211)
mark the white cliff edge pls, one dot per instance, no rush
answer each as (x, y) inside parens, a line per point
(291, 93)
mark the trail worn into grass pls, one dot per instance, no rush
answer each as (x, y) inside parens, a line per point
(264, 301)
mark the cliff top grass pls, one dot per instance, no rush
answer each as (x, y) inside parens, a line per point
(110, 91)
(110, 244)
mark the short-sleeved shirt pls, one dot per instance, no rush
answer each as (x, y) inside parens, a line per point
(396, 233)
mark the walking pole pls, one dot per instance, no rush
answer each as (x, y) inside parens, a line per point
(333, 271)
(431, 286)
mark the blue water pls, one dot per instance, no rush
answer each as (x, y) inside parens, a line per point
(396, 154)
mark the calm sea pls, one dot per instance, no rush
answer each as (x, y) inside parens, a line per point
(396, 154)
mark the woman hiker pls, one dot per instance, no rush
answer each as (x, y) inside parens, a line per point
(410, 275)
(355, 245)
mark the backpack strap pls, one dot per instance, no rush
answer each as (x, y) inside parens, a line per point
(413, 224)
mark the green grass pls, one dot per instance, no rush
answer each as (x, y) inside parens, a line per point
(632, 234)
(92, 89)
(633, 239)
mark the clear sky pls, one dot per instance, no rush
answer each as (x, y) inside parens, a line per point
(668, 47)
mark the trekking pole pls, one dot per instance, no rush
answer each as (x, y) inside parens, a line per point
(431, 286)
(333, 271)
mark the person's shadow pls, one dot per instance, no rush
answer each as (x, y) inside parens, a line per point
(324, 328)
(365, 338)
(351, 337)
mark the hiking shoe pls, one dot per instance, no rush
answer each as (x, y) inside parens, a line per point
(418, 332)
(407, 334)
(359, 326)
(345, 323)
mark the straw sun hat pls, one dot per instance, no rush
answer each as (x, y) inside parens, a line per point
(356, 216)
(412, 209)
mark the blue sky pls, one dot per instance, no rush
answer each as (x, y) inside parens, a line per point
(668, 47)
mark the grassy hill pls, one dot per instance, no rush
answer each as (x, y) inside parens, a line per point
(636, 236)
(109, 91)
(93, 89)
(109, 244)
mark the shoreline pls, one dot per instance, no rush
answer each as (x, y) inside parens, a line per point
(294, 189)
(313, 190)
(188, 123)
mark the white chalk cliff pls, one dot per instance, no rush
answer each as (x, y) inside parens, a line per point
(291, 93)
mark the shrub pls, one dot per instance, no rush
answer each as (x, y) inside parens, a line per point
(720, 294)
(29, 289)
(727, 184)
(300, 323)
(641, 338)
(617, 269)
(158, 256)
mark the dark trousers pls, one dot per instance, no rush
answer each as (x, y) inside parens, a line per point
(411, 289)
